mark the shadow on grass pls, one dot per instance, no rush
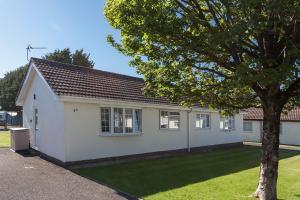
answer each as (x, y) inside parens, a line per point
(143, 178)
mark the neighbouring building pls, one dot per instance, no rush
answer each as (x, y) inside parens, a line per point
(9, 117)
(75, 114)
(3, 115)
(289, 126)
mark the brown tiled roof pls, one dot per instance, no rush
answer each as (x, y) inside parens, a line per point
(257, 114)
(72, 80)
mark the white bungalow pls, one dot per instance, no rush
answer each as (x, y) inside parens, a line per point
(78, 114)
(289, 126)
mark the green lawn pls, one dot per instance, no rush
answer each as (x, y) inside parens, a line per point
(221, 174)
(4, 139)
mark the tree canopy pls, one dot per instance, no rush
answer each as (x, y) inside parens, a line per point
(79, 57)
(9, 87)
(228, 54)
(220, 53)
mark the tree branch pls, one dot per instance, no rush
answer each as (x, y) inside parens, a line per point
(214, 71)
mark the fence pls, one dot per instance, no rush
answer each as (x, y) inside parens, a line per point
(11, 119)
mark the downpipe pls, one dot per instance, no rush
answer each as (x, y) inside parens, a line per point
(188, 131)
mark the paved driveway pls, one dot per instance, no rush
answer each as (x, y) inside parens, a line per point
(32, 178)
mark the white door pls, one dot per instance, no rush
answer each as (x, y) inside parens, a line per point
(35, 128)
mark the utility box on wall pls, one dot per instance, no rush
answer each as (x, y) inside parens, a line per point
(19, 139)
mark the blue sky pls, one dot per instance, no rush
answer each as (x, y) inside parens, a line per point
(57, 24)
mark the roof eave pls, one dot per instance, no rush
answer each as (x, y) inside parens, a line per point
(106, 101)
(24, 86)
(283, 120)
(29, 77)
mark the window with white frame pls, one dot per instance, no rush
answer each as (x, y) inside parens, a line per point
(247, 126)
(202, 120)
(227, 123)
(128, 120)
(137, 120)
(169, 120)
(105, 120)
(120, 120)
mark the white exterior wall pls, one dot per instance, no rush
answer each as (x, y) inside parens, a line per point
(50, 133)
(290, 132)
(213, 135)
(255, 134)
(82, 128)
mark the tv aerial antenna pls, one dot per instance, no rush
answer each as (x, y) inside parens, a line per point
(29, 48)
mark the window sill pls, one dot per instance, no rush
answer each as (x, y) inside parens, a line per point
(170, 129)
(227, 130)
(197, 128)
(119, 134)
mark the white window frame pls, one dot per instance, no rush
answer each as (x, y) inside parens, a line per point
(168, 124)
(223, 118)
(209, 120)
(122, 119)
(250, 122)
(109, 119)
(111, 122)
(130, 119)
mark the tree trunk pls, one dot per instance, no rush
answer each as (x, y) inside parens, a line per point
(267, 186)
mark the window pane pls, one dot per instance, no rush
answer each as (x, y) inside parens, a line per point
(247, 126)
(222, 124)
(138, 121)
(232, 124)
(207, 117)
(175, 113)
(202, 120)
(118, 120)
(105, 120)
(174, 120)
(198, 121)
(128, 120)
(164, 119)
(227, 123)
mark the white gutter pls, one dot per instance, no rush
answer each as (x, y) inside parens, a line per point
(133, 103)
(188, 131)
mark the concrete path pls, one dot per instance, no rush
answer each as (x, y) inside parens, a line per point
(32, 178)
(282, 146)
